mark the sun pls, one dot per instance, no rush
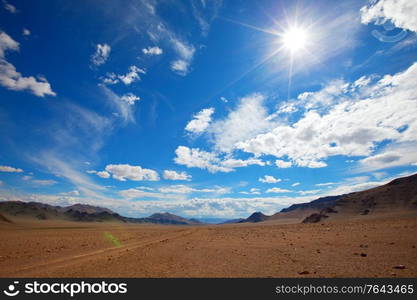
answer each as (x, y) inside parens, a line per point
(294, 39)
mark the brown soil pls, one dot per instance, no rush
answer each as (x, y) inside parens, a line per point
(362, 247)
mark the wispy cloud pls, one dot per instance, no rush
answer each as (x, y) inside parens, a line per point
(10, 169)
(9, 7)
(123, 105)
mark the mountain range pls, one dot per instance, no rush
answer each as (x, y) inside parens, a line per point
(396, 196)
(81, 213)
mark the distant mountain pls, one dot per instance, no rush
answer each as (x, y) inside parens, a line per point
(89, 209)
(238, 220)
(167, 218)
(395, 196)
(255, 218)
(82, 213)
(319, 203)
(212, 220)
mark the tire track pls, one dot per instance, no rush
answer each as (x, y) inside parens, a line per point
(48, 266)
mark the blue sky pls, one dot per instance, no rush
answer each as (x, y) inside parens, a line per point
(204, 108)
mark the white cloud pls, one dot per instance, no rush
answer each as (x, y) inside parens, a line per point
(199, 159)
(146, 188)
(129, 98)
(252, 191)
(9, 7)
(183, 189)
(103, 174)
(325, 184)
(13, 80)
(101, 54)
(402, 13)
(392, 156)
(132, 75)
(239, 163)
(196, 158)
(181, 66)
(295, 184)
(310, 192)
(277, 190)
(173, 192)
(200, 121)
(245, 122)
(353, 125)
(379, 175)
(176, 189)
(205, 12)
(43, 182)
(173, 175)
(152, 51)
(26, 32)
(66, 168)
(283, 164)
(330, 93)
(110, 78)
(122, 172)
(355, 187)
(73, 193)
(10, 169)
(138, 193)
(159, 32)
(269, 179)
(124, 108)
(39, 182)
(75, 135)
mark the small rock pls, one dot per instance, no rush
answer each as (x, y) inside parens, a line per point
(364, 254)
(304, 272)
(363, 246)
(400, 267)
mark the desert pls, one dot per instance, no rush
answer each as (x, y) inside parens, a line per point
(346, 243)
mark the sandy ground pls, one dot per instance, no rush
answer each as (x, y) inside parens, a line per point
(364, 247)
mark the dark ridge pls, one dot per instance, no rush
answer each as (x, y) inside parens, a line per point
(255, 218)
(319, 203)
(84, 213)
